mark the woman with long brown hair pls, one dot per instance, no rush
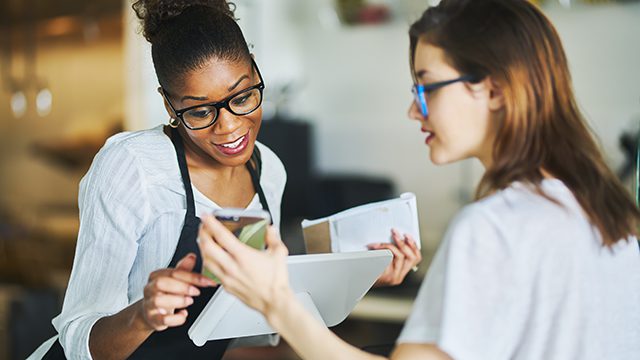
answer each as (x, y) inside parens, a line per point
(545, 263)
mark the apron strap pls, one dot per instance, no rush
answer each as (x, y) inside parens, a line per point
(255, 169)
(176, 139)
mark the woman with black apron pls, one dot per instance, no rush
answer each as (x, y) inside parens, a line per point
(212, 90)
(174, 342)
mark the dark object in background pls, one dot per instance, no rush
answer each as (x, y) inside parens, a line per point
(307, 194)
(335, 193)
(291, 141)
(29, 320)
(629, 144)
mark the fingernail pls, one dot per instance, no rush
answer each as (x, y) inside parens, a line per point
(189, 301)
(207, 282)
(194, 291)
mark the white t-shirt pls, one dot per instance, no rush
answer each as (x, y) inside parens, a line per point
(132, 207)
(519, 277)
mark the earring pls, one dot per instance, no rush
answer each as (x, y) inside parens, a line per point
(173, 122)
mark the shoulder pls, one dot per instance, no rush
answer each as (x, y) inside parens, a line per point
(143, 143)
(134, 143)
(520, 219)
(273, 175)
(148, 152)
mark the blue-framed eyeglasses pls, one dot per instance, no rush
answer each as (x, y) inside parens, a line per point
(420, 91)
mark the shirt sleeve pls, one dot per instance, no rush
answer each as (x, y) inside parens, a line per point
(113, 211)
(473, 304)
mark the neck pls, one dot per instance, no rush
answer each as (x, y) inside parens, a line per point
(486, 161)
(197, 159)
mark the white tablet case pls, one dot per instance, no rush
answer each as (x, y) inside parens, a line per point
(328, 285)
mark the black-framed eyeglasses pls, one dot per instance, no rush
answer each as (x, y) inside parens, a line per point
(420, 91)
(202, 116)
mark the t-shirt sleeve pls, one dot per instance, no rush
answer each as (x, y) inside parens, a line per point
(113, 211)
(472, 304)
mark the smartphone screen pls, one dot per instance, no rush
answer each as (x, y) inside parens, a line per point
(249, 227)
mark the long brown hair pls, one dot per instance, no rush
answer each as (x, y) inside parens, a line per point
(513, 43)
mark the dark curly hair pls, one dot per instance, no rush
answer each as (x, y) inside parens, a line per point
(185, 34)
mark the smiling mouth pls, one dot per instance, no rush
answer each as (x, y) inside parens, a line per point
(234, 144)
(235, 147)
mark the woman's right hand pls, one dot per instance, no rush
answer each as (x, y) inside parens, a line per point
(169, 292)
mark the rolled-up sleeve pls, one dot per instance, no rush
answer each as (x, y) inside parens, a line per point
(113, 213)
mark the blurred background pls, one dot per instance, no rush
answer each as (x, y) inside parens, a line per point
(74, 72)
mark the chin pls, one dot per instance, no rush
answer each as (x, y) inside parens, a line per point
(239, 160)
(439, 158)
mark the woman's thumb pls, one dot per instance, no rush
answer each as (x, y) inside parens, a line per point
(273, 241)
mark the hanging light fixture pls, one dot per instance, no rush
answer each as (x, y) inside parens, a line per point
(44, 100)
(18, 103)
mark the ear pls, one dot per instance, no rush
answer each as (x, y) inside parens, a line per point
(496, 96)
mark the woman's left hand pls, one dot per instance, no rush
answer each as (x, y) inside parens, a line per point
(406, 256)
(259, 278)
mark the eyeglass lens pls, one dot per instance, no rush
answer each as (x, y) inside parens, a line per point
(241, 104)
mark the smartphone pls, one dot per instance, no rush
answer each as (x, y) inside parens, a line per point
(249, 226)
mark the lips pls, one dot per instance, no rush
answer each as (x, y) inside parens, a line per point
(234, 147)
(430, 138)
(430, 135)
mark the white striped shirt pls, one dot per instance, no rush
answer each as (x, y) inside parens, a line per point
(132, 207)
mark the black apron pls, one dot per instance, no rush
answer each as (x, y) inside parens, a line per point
(174, 342)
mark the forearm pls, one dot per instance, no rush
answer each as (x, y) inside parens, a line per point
(307, 336)
(119, 335)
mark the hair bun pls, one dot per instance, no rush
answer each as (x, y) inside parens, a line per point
(153, 13)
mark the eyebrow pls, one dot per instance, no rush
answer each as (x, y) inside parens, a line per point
(197, 98)
(421, 73)
(245, 76)
(203, 98)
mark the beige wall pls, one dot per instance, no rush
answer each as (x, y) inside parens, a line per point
(87, 85)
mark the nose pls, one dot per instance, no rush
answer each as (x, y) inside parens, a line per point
(414, 113)
(227, 123)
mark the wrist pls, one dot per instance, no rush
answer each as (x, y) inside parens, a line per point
(281, 305)
(139, 320)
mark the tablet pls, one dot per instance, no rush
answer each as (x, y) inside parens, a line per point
(328, 285)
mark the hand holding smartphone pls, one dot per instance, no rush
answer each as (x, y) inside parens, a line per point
(249, 226)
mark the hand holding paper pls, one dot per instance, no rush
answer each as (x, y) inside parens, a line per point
(390, 224)
(354, 229)
(406, 256)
